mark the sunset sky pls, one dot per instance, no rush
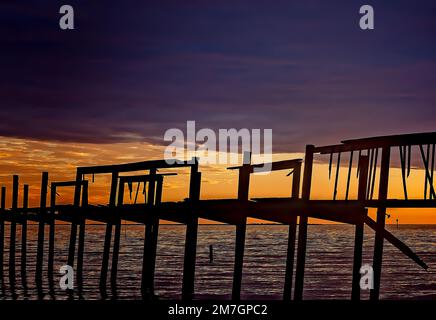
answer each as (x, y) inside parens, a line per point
(107, 91)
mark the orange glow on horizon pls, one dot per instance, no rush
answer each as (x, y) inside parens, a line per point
(28, 158)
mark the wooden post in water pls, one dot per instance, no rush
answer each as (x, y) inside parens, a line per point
(191, 236)
(117, 235)
(243, 191)
(152, 232)
(51, 237)
(81, 244)
(147, 273)
(287, 292)
(108, 235)
(302, 227)
(2, 230)
(359, 230)
(24, 236)
(158, 200)
(13, 231)
(41, 229)
(381, 213)
(73, 230)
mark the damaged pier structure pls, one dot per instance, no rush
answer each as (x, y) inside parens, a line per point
(292, 211)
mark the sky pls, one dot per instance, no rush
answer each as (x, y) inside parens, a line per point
(107, 91)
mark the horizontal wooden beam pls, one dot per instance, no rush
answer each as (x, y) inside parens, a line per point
(275, 166)
(379, 142)
(136, 166)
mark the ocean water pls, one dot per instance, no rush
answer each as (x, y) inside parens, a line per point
(328, 263)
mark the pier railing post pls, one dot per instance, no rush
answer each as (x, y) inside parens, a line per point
(381, 213)
(191, 235)
(302, 227)
(359, 230)
(287, 292)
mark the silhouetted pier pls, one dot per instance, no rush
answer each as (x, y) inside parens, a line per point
(293, 211)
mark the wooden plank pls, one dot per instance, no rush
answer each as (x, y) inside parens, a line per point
(135, 166)
(379, 142)
(273, 166)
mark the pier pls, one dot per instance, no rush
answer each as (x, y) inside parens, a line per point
(370, 156)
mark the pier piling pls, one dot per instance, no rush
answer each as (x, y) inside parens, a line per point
(302, 227)
(381, 214)
(24, 237)
(13, 232)
(191, 236)
(41, 229)
(290, 256)
(2, 231)
(359, 229)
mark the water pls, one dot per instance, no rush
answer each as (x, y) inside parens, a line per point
(328, 264)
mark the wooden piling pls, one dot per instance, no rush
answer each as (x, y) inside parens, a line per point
(152, 232)
(117, 235)
(287, 291)
(74, 224)
(41, 229)
(2, 230)
(243, 193)
(359, 229)
(108, 235)
(158, 200)
(190, 258)
(147, 274)
(239, 260)
(82, 231)
(302, 227)
(13, 231)
(51, 236)
(381, 213)
(24, 236)
(145, 282)
(191, 236)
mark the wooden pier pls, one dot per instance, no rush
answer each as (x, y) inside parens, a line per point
(293, 211)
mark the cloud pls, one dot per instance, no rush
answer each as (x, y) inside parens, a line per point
(131, 71)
